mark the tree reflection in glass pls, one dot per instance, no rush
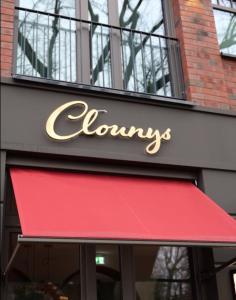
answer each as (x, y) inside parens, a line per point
(54, 46)
(226, 31)
(100, 59)
(226, 3)
(144, 56)
(47, 44)
(162, 273)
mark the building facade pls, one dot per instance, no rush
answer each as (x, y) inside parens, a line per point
(116, 116)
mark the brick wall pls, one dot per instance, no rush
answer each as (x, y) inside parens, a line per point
(209, 79)
(7, 21)
(230, 79)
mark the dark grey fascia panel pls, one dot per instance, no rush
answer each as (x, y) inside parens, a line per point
(221, 186)
(200, 139)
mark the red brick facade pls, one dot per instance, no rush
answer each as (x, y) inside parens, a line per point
(230, 80)
(210, 80)
(7, 23)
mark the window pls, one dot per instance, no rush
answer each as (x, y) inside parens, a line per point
(145, 64)
(48, 271)
(225, 19)
(46, 43)
(104, 43)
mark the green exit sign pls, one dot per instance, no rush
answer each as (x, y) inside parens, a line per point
(100, 260)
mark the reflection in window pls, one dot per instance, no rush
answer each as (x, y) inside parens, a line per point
(144, 56)
(63, 7)
(226, 31)
(47, 44)
(133, 14)
(162, 273)
(99, 44)
(108, 272)
(54, 44)
(226, 3)
(234, 282)
(45, 272)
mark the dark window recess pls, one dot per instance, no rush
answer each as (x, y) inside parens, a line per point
(49, 271)
(95, 43)
(162, 273)
(45, 271)
(108, 272)
(225, 19)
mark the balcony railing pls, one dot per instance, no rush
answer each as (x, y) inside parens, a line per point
(71, 50)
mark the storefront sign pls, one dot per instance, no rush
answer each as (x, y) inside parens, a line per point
(88, 118)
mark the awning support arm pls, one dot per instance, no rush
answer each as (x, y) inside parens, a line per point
(209, 274)
(8, 266)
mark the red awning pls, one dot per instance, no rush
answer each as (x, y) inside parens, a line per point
(102, 207)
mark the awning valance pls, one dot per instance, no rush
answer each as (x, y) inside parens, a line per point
(92, 207)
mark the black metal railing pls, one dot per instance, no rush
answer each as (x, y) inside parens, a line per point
(60, 48)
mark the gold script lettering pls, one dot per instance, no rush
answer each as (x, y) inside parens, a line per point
(88, 118)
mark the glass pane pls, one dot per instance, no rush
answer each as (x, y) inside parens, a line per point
(108, 272)
(234, 282)
(226, 3)
(45, 272)
(145, 63)
(98, 11)
(100, 44)
(62, 7)
(47, 44)
(162, 273)
(133, 14)
(163, 80)
(144, 56)
(225, 27)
